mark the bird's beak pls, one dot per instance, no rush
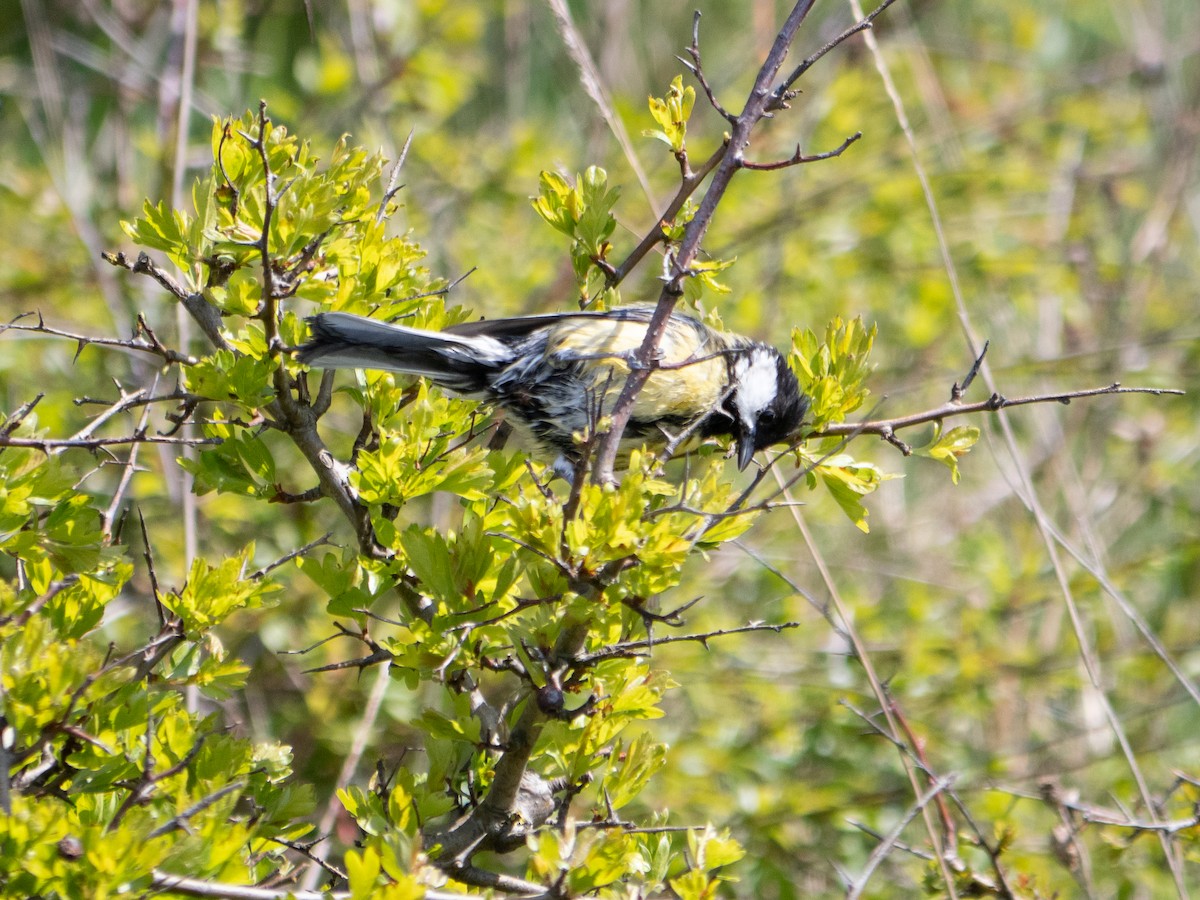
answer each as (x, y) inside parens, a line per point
(745, 449)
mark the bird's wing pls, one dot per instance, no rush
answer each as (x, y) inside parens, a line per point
(522, 326)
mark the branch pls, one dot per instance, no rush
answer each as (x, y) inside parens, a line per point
(118, 495)
(644, 359)
(690, 181)
(198, 887)
(784, 92)
(634, 648)
(13, 422)
(268, 308)
(491, 823)
(151, 345)
(886, 428)
(180, 821)
(203, 312)
(885, 847)
(798, 158)
(698, 70)
(50, 445)
(508, 884)
(288, 557)
(391, 189)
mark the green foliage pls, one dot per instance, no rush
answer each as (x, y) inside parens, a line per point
(583, 212)
(499, 590)
(1053, 148)
(949, 447)
(833, 371)
(111, 775)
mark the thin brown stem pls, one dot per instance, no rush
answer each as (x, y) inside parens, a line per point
(885, 428)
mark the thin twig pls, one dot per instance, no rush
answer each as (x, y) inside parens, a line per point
(859, 648)
(698, 70)
(49, 446)
(180, 821)
(783, 92)
(885, 427)
(885, 846)
(127, 471)
(392, 188)
(799, 159)
(198, 887)
(689, 183)
(635, 648)
(203, 312)
(322, 541)
(13, 422)
(366, 726)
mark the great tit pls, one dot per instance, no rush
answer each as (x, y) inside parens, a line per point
(555, 375)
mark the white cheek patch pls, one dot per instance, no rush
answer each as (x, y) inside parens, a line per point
(757, 384)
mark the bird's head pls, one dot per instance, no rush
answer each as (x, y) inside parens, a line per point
(766, 403)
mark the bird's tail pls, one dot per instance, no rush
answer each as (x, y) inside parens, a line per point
(345, 341)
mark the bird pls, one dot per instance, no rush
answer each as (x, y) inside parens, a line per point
(554, 375)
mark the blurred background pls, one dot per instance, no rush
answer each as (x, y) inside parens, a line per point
(1014, 615)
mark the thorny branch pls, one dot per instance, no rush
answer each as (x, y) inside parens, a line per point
(764, 97)
(199, 887)
(53, 445)
(147, 343)
(204, 313)
(798, 158)
(886, 428)
(628, 649)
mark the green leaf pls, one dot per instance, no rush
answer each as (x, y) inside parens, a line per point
(848, 481)
(832, 371)
(428, 555)
(949, 447)
(671, 113)
(363, 870)
(212, 593)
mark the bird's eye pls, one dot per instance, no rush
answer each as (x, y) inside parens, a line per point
(766, 418)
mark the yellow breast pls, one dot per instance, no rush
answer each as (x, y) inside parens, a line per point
(691, 389)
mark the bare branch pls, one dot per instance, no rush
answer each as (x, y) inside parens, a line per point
(783, 92)
(798, 158)
(310, 496)
(322, 541)
(885, 847)
(698, 70)
(635, 648)
(392, 188)
(197, 887)
(50, 446)
(690, 182)
(508, 884)
(150, 345)
(366, 727)
(958, 390)
(885, 428)
(118, 496)
(379, 655)
(55, 588)
(13, 422)
(268, 311)
(180, 821)
(203, 312)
